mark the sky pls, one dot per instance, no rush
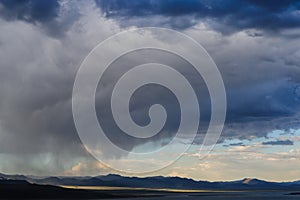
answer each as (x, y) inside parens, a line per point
(255, 45)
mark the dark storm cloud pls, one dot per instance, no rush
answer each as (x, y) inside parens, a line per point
(279, 142)
(30, 10)
(46, 14)
(264, 100)
(147, 96)
(223, 15)
(257, 109)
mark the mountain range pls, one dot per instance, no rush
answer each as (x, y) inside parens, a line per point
(160, 182)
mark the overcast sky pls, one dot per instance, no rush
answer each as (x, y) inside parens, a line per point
(255, 45)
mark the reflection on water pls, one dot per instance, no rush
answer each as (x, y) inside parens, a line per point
(155, 194)
(106, 188)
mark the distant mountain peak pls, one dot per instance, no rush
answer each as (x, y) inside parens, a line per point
(109, 177)
(248, 180)
(253, 181)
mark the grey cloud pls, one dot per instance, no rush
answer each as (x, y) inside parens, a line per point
(35, 120)
(37, 71)
(279, 142)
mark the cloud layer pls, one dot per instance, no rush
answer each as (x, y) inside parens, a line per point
(223, 15)
(43, 43)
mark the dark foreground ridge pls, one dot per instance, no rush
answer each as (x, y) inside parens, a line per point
(20, 189)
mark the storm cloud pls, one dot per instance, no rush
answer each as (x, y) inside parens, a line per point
(223, 15)
(259, 61)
